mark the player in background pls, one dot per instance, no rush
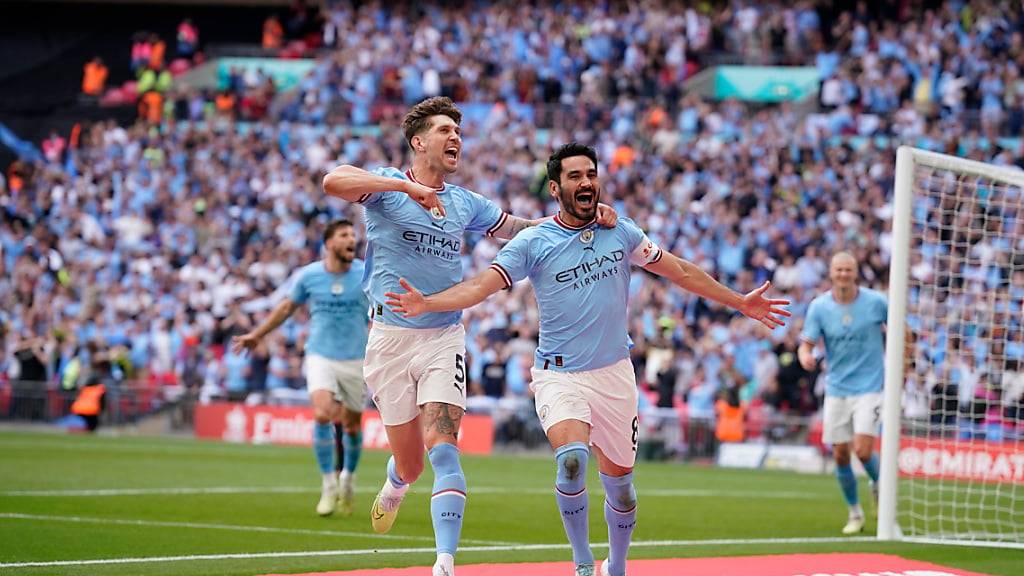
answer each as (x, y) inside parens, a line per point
(583, 381)
(333, 363)
(851, 320)
(416, 367)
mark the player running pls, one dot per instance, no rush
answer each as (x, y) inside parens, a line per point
(583, 381)
(416, 367)
(851, 320)
(334, 357)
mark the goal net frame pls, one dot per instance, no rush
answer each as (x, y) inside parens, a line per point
(908, 159)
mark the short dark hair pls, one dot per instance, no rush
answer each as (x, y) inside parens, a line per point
(418, 118)
(568, 151)
(334, 226)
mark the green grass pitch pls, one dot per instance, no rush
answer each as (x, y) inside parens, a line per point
(72, 498)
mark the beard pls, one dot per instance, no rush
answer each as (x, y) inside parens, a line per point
(585, 213)
(344, 256)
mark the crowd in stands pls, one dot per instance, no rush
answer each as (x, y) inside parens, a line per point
(152, 72)
(962, 59)
(151, 245)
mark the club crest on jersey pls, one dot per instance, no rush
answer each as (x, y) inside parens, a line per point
(337, 288)
(435, 213)
(847, 319)
(587, 236)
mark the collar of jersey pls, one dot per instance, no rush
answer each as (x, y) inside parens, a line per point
(408, 174)
(560, 222)
(856, 295)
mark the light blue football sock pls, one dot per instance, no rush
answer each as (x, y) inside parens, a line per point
(353, 449)
(572, 499)
(393, 477)
(323, 446)
(871, 467)
(847, 483)
(448, 503)
(620, 515)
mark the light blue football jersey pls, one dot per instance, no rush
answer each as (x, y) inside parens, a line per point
(854, 345)
(406, 241)
(337, 310)
(581, 279)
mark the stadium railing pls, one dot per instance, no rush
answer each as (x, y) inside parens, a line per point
(45, 402)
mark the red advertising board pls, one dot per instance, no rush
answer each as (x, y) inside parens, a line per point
(949, 459)
(294, 425)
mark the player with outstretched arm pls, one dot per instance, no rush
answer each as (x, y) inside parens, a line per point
(583, 381)
(416, 367)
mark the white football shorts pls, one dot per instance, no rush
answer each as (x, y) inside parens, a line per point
(848, 415)
(343, 378)
(408, 367)
(605, 398)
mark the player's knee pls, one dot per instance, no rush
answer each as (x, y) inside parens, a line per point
(619, 492)
(323, 415)
(444, 459)
(626, 498)
(864, 453)
(571, 459)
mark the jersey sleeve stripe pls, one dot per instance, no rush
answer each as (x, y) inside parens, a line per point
(504, 274)
(657, 257)
(363, 199)
(497, 225)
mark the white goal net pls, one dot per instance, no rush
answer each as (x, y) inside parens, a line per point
(952, 450)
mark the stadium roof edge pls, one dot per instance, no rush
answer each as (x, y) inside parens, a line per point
(175, 2)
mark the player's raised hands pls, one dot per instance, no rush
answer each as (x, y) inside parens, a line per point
(764, 310)
(426, 197)
(606, 216)
(409, 303)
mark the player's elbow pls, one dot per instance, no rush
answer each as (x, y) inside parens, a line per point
(337, 182)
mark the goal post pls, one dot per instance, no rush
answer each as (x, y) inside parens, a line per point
(956, 473)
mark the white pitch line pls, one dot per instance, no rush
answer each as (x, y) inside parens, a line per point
(169, 491)
(653, 492)
(466, 549)
(232, 527)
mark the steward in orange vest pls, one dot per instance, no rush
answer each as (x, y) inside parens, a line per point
(90, 402)
(729, 427)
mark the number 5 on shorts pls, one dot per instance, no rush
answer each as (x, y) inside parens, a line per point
(460, 374)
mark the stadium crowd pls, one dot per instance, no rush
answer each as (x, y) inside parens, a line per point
(139, 252)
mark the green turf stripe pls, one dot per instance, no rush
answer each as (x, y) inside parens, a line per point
(235, 527)
(462, 550)
(171, 491)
